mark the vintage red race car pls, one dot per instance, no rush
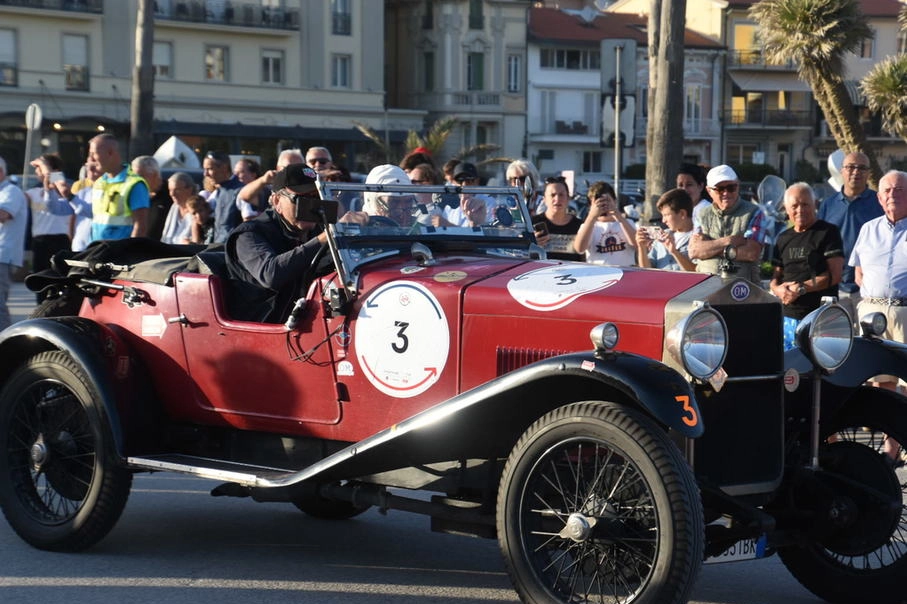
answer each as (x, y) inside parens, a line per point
(612, 428)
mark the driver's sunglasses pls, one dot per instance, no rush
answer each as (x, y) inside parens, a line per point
(318, 160)
(517, 180)
(724, 188)
(295, 197)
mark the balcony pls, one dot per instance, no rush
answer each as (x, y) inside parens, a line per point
(576, 127)
(9, 74)
(771, 118)
(76, 77)
(78, 6)
(753, 59)
(237, 14)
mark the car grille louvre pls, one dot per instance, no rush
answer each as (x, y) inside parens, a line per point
(509, 358)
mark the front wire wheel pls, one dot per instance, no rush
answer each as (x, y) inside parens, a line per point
(60, 488)
(597, 505)
(866, 557)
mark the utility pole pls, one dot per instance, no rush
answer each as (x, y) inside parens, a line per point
(141, 140)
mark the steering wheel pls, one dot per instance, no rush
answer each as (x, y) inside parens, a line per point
(374, 220)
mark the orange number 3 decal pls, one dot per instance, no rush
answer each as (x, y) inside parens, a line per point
(692, 418)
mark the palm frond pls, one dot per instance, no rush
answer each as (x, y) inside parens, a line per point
(885, 88)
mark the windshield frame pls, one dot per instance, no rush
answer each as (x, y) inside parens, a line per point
(353, 246)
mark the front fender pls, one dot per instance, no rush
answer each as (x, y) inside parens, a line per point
(486, 422)
(86, 342)
(869, 357)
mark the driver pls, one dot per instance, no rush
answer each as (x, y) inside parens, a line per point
(398, 207)
(268, 258)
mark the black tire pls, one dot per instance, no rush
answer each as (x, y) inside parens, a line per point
(60, 487)
(867, 561)
(611, 467)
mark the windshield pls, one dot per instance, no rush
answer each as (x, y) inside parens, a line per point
(490, 219)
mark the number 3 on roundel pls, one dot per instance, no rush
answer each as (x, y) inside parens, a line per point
(690, 417)
(402, 339)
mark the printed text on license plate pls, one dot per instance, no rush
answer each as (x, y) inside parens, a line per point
(747, 549)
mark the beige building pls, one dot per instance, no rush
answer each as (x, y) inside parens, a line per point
(248, 76)
(767, 114)
(463, 58)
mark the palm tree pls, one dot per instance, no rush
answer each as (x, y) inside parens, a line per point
(816, 34)
(885, 88)
(433, 140)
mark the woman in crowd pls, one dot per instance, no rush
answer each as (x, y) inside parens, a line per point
(606, 236)
(522, 174)
(691, 178)
(178, 224)
(556, 229)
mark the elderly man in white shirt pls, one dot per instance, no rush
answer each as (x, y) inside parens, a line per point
(879, 258)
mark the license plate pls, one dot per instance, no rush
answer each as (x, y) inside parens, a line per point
(745, 549)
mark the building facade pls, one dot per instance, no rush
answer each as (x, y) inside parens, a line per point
(462, 58)
(248, 77)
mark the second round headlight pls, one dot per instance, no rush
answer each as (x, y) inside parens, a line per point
(699, 342)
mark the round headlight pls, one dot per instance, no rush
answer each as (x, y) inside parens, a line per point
(604, 336)
(699, 342)
(873, 324)
(826, 336)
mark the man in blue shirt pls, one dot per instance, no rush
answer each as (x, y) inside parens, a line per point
(120, 198)
(849, 209)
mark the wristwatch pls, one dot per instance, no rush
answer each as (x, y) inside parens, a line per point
(801, 290)
(730, 253)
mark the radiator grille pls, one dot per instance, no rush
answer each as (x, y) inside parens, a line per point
(509, 359)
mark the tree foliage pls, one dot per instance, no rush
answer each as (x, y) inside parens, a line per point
(434, 140)
(885, 89)
(816, 34)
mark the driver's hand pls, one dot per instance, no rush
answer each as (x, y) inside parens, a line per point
(360, 218)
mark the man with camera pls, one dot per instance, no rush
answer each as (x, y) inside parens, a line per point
(730, 239)
(269, 257)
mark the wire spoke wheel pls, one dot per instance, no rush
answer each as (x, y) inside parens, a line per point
(863, 547)
(58, 487)
(595, 508)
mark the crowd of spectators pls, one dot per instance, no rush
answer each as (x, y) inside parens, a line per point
(705, 226)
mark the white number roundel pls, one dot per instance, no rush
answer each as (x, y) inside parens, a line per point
(553, 287)
(402, 339)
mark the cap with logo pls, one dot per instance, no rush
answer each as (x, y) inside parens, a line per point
(298, 178)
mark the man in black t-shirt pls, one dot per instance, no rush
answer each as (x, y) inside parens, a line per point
(808, 258)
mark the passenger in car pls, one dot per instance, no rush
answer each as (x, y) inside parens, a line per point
(270, 258)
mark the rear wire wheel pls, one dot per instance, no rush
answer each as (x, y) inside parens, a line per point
(60, 486)
(597, 505)
(864, 558)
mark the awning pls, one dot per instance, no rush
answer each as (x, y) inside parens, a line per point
(769, 81)
(856, 95)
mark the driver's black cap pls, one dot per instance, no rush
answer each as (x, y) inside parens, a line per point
(298, 178)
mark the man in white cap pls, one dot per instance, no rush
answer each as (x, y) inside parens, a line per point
(731, 235)
(395, 206)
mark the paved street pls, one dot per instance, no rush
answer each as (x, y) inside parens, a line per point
(21, 301)
(177, 544)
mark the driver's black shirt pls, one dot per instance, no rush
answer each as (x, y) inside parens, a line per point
(268, 265)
